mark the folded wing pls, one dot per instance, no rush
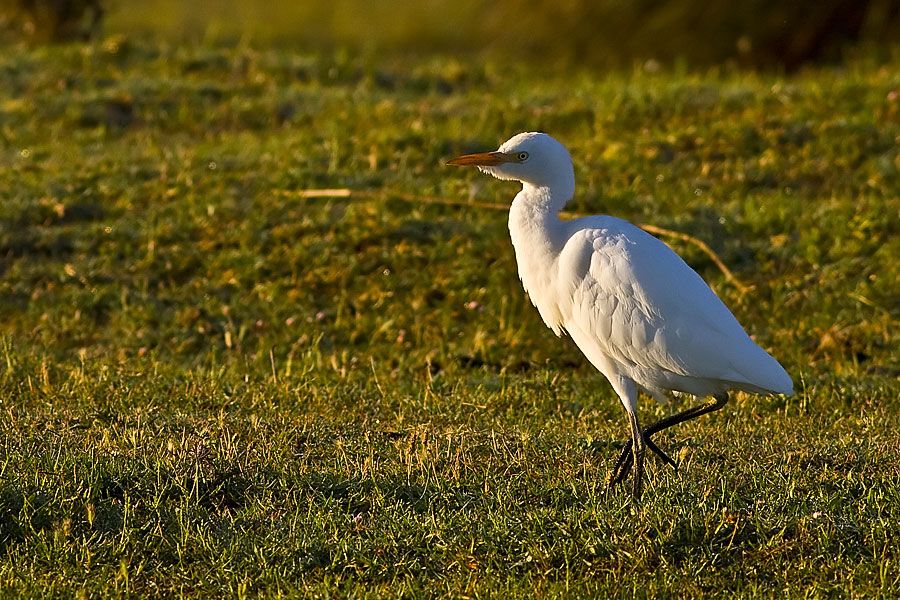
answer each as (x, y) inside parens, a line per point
(654, 316)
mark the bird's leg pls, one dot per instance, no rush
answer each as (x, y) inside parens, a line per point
(622, 467)
(638, 448)
(624, 462)
(659, 453)
(717, 402)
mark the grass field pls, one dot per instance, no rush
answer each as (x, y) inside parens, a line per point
(214, 386)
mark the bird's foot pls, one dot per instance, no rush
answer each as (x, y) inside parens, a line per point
(626, 460)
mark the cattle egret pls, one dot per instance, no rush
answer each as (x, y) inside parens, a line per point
(637, 311)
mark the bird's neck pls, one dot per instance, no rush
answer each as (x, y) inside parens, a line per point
(536, 231)
(535, 210)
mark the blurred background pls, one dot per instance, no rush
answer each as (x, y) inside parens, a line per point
(602, 33)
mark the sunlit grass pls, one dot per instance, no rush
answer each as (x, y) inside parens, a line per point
(211, 385)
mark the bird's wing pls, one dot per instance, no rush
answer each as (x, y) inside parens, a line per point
(648, 310)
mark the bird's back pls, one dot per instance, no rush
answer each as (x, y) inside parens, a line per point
(633, 305)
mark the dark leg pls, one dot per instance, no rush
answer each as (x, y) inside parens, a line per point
(624, 462)
(638, 445)
(689, 414)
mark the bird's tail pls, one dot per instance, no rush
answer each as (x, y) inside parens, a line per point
(764, 375)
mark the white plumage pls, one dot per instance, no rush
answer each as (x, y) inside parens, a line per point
(637, 311)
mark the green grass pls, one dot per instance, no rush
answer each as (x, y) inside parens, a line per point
(210, 385)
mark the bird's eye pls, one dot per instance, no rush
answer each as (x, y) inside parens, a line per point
(522, 156)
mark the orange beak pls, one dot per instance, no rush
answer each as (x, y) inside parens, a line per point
(481, 159)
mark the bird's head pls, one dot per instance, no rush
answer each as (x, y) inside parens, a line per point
(533, 158)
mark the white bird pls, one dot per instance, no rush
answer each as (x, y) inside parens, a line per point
(637, 311)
